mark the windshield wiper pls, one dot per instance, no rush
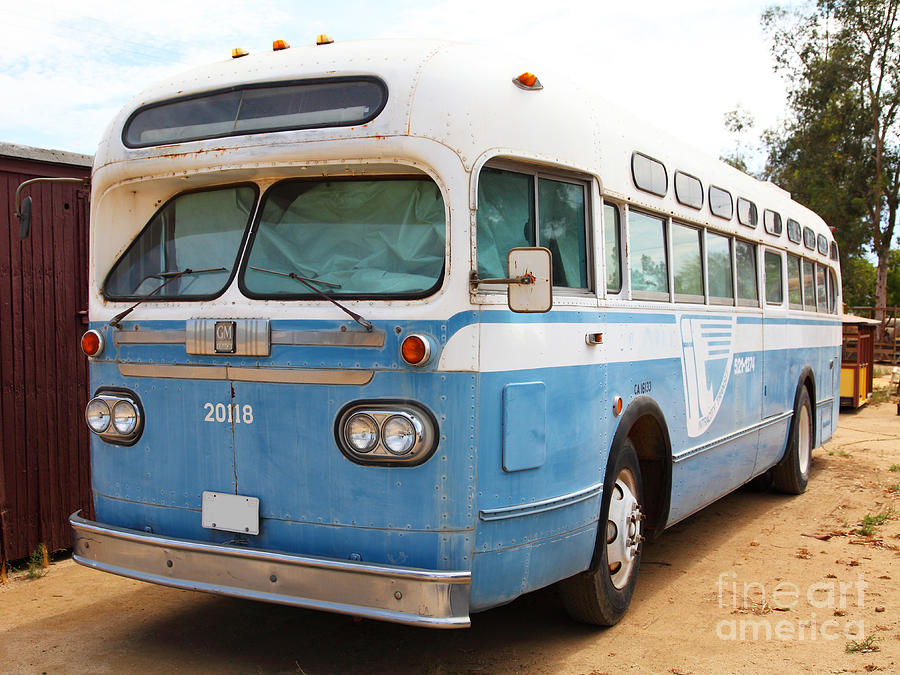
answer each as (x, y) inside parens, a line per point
(308, 282)
(169, 277)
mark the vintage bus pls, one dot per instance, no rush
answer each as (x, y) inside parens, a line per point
(401, 330)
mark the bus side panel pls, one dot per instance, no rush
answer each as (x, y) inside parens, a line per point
(537, 519)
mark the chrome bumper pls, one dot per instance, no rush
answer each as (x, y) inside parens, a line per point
(400, 594)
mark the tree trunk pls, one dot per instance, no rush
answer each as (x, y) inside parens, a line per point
(881, 291)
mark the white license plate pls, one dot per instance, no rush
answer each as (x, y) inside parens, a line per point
(232, 513)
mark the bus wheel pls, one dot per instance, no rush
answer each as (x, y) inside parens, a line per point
(792, 473)
(601, 595)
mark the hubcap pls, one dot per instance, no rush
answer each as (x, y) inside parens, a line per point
(804, 445)
(623, 529)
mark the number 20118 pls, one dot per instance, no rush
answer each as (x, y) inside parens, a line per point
(228, 412)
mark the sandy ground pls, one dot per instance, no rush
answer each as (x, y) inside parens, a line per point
(757, 582)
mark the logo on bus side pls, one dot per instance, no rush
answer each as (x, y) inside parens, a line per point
(708, 351)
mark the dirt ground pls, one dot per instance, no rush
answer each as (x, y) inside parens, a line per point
(757, 582)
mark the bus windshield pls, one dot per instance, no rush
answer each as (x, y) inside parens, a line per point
(199, 230)
(356, 237)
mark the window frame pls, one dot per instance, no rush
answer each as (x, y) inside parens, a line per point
(655, 296)
(753, 213)
(721, 300)
(777, 223)
(618, 232)
(796, 228)
(746, 302)
(701, 249)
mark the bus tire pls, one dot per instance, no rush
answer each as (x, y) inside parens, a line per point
(791, 474)
(601, 595)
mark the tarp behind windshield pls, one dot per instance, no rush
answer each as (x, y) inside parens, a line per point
(353, 237)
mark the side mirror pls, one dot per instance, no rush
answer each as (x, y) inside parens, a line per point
(530, 271)
(25, 218)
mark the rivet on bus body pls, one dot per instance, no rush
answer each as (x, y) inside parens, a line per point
(398, 595)
(617, 405)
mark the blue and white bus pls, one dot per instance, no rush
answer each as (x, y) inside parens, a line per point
(401, 330)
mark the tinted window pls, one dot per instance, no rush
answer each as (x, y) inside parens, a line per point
(795, 297)
(746, 212)
(201, 231)
(505, 218)
(649, 274)
(833, 253)
(832, 292)
(612, 239)
(793, 228)
(745, 255)
(772, 222)
(359, 237)
(687, 263)
(718, 256)
(649, 174)
(688, 190)
(809, 287)
(252, 109)
(774, 292)
(720, 202)
(821, 290)
(509, 217)
(561, 228)
(822, 243)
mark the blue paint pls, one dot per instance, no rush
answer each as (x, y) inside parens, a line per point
(507, 439)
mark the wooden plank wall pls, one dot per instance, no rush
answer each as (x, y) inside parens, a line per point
(44, 443)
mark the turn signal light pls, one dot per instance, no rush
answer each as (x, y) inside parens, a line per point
(617, 405)
(416, 350)
(278, 45)
(528, 81)
(92, 343)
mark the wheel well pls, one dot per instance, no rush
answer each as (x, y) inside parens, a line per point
(808, 380)
(644, 424)
(654, 458)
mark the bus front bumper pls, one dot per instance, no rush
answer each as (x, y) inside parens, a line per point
(400, 594)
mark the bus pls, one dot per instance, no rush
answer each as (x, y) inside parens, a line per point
(404, 330)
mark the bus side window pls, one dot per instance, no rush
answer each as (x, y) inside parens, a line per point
(832, 292)
(647, 256)
(795, 298)
(687, 263)
(718, 260)
(774, 284)
(821, 290)
(809, 287)
(561, 228)
(505, 218)
(748, 293)
(611, 242)
(516, 208)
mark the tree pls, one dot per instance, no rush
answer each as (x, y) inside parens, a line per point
(840, 150)
(739, 123)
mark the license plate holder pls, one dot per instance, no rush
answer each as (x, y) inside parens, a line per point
(231, 513)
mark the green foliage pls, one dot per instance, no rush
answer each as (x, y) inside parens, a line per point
(859, 282)
(863, 646)
(839, 151)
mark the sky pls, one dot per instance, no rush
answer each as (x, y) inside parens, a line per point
(66, 68)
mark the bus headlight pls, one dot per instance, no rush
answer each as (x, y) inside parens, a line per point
(115, 416)
(97, 415)
(361, 432)
(125, 417)
(386, 433)
(399, 434)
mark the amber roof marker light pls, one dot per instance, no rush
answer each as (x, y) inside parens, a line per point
(324, 39)
(528, 82)
(278, 45)
(238, 52)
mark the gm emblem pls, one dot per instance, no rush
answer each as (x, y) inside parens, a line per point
(225, 337)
